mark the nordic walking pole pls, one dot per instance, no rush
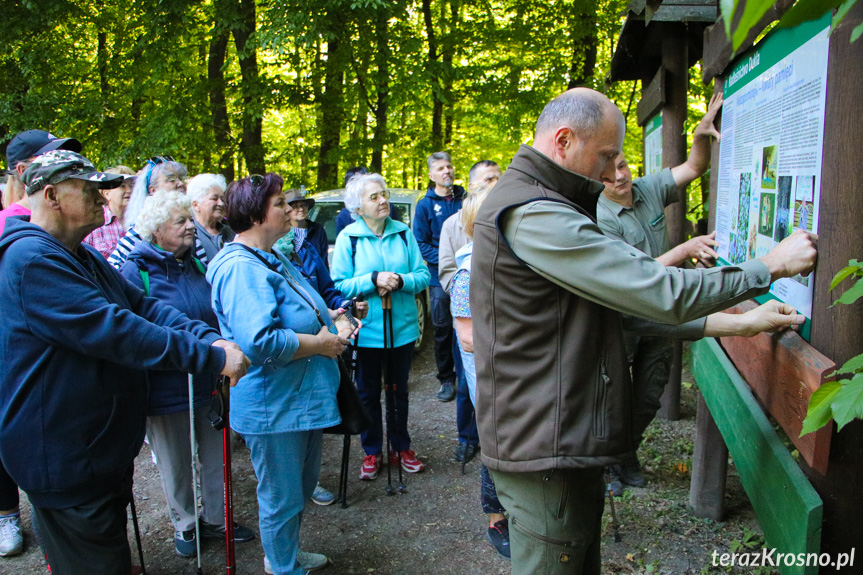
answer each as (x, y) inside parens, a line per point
(386, 304)
(230, 559)
(137, 532)
(614, 526)
(389, 320)
(194, 468)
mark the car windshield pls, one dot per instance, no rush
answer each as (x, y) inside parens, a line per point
(325, 213)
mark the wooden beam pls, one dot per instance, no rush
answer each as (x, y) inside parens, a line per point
(652, 98)
(788, 508)
(783, 372)
(837, 332)
(709, 467)
(717, 47)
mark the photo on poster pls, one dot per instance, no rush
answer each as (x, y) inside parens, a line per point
(803, 215)
(804, 208)
(740, 225)
(783, 209)
(769, 157)
(766, 211)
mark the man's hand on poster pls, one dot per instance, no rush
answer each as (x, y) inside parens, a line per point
(794, 255)
(701, 248)
(705, 128)
(771, 316)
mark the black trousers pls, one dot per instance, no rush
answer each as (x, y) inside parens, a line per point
(88, 538)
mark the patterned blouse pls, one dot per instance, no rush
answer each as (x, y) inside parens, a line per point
(460, 294)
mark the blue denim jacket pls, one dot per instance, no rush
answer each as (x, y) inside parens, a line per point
(263, 314)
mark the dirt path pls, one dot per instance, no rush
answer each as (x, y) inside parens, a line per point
(438, 527)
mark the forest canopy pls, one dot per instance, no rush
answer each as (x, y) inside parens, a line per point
(304, 88)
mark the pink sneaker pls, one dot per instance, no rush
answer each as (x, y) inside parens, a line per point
(370, 468)
(410, 461)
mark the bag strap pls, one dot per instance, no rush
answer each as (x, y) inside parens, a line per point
(354, 239)
(289, 281)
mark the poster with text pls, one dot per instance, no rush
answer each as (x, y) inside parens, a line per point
(653, 145)
(769, 176)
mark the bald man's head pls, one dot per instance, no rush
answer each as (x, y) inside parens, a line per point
(581, 130)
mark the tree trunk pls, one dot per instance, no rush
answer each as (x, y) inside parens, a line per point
(218, 102)
(251, 143)
(332, 108)
(434, 71)
(584, 44)
(383, 87)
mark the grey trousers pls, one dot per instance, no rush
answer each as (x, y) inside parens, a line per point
(555, 520)
(169, 438)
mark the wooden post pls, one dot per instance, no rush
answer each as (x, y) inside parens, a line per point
(675, 60)
(837, 332)
(709, 467)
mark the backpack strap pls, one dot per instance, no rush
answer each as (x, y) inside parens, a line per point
(402, 234)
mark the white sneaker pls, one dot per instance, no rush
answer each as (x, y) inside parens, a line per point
(11, 542)
(312, 561)
(308, 562)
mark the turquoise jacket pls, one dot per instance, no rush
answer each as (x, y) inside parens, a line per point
(396, 251)
(262, 313)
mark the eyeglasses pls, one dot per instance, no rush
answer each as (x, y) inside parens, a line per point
(373, 198)
(300, 205)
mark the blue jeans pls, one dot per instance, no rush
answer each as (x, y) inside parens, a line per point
(465, 418)
(370, 366)
(287, 466)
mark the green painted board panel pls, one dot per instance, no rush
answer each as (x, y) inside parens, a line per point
(787, 506)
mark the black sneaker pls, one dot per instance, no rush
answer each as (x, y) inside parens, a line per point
(459, 451)
(498, 536)
(612, 480)
(630, 474)
(447, 391)
(241, 534)
(470, 452)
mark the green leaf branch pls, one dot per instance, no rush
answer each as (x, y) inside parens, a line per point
(840, 400)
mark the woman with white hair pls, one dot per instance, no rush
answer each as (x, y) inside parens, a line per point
(159, 173)
(379, 257)
(207, 194)
(163, 265)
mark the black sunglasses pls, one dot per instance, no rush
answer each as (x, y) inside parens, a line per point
(159, 160)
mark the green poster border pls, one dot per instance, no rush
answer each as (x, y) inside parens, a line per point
(777, 45)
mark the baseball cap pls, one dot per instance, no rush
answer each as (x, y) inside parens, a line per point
(59, 165)
(34, 142)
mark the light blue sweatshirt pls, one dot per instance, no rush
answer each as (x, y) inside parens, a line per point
(396, 251)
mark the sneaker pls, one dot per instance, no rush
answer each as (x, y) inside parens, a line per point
(410, 461)
(185, 543)
(322, 496)
(630, 474)
(241, 534)
(370, 468)
(11, 541)
(612, 478)
(498, 536)
(459, 451)
(308, 562)
(312, 561)
(447, 391)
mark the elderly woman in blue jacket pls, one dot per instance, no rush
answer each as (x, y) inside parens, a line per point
(288, 396)
(163, 265)
(377, 256)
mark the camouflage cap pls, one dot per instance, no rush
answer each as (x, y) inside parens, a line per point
(57, 165)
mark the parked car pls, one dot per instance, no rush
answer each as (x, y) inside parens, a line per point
(326, 209)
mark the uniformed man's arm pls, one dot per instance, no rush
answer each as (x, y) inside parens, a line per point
(566, 247)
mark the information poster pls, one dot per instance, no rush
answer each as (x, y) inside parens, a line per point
(653, 145)
(770, 152)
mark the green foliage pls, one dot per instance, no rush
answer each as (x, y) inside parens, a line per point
(840, 400)
(751, 11)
